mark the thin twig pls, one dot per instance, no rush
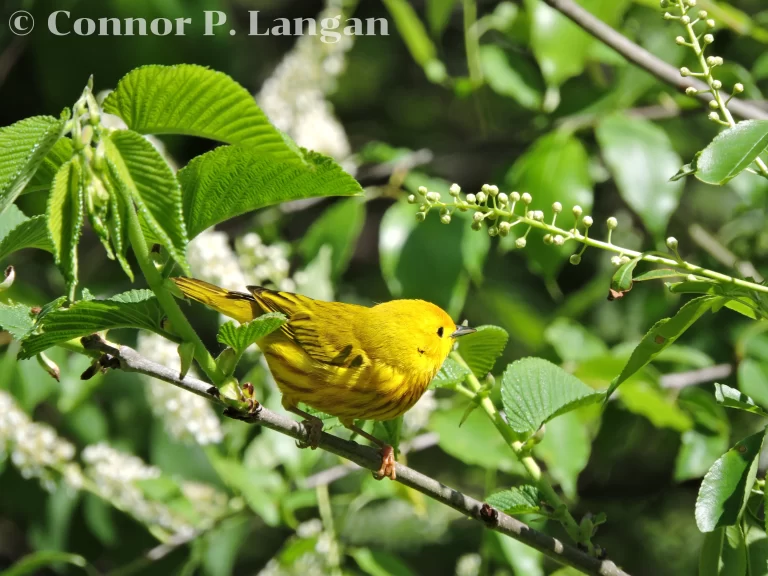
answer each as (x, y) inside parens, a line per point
(129, 360)
(678, 380)
(644, 59)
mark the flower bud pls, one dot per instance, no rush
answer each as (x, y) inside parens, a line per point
(476, 226)
(538, 215)
(515, 196)
(455, 189)
(587, 221)
(708, 39)
(424, 208)
(738, 88)
(713, 104)
(420, 216)
(485, 188)
(577, 211)
(520, 243)
(672, 243)
(668, 16)
(624, 259)
(493, 190)
(504, 228)
(685, 19)
(481, 197)
(575, 259)
(527, 198)
(493, 231)
(691, 3)
(503, 199)
(422, 190)
(478, 216)
(710, 23)
(703, 14)
(547, 238)
(716, 84)
(557, 207)
(445, 218)
(680, 40)
(471, 198)
(612, 223)
(433, 196)
(616, 260)
(684, 72)
(691, 91)
(663, 4)
(714, 116)
(558, 240)
(411, 199)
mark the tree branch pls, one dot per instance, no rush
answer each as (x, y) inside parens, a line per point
(644, 59)
(127, 359)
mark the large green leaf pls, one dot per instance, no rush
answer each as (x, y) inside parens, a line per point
(481, 349)
(450, 375)
(339, 227)
(728, 484)
(240, 337)
(133, 309)
(554, 169)
(518, 500)
(138, 167)
(232, 180)
(534, 391)
(32, 233)
(43, 178)
(664, 333)
(16, 319)
(732, 151)
(65, 216)
(23, 146)
(192, 100)
(724, 553)
(642, 161)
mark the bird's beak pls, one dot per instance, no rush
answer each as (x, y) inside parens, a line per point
(462, 331)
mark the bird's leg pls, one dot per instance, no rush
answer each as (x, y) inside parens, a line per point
(313, 425)
(387, 453)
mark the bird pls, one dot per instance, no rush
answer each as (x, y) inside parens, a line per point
(350, 361)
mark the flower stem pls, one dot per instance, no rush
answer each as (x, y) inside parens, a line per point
(525, 458)
(171, 308)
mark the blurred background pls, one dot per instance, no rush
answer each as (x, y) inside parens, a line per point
(164, 485)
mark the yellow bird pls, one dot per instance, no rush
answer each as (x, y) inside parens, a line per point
(350, 361)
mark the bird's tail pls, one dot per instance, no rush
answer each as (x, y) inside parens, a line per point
(238, 305)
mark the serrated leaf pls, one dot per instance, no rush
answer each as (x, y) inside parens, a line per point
(133, 309)
(726, 487)
(732, 398)
(450, 375)
(241, 337)
(16, 319)
(481, 348)
(32, 233)
(64, 216)
(660, 336)
(138, 167)
(534, 391)
(518, 500)
(46, 171)
(23, 146)
(732, 151)
(193, 100)
(10, 219)
(249, 181)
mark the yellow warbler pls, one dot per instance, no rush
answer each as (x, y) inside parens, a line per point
(349, 361)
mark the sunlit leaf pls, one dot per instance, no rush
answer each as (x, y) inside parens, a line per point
(481, 349)
(732, 151)
(16, 319)
(65, 217)
(241, 337)
(518, 500)
(732, 398)
(572, 341)
(451, 374)
(723, 553)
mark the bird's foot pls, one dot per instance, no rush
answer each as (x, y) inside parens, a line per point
(387, 463)
(314, 428)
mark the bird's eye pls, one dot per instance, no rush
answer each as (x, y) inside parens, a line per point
(440, 331)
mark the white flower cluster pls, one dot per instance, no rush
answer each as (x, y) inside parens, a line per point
(312, 562)
(469, 565)
(213, 260)
(264, 264)
(185, 416)
(35, 449)
(294, 97)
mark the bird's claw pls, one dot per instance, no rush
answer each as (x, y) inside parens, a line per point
(387, 464)
(314, 428)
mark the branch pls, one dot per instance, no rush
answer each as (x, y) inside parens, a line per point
(644, 59)
(127, 359)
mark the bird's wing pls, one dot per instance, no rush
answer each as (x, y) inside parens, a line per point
(319, 328)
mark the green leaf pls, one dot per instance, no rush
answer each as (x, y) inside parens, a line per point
(572, 341)
(65, 217)
(741, 308)
(32, 233)
(35, 562)
(16, 319)
(534, 391)
(727, 485)
(380, 563)
(139, 168)
(732, 151)
(641, 158)
(249, 181)
(450, 375)
(554, 169)
(439, 14)
(640, 397)
(10, 219)
(24, 145)
(732, 398)
(660, 274)
(752, 375)
(664, 333)
(723, 553)
(565, 451)
(55, 159)
(518, 500)
(508, 76)
(133, 309)
(481, 349)
(196, 101)
(621, 281)
(339, 227)
(241, 337)
(412, 31)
